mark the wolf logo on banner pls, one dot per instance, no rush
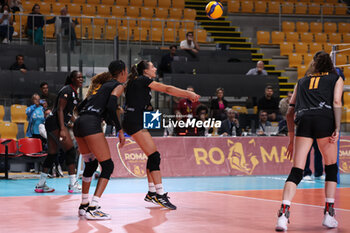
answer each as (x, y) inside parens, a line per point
(238, 159)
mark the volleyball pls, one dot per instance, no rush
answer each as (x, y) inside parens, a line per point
(214, 9)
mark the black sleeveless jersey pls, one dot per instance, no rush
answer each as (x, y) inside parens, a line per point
(97, 102)
(138, 98)
(315, 95)
(70, 94)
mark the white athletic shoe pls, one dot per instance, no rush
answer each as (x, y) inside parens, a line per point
(95, 213)
(75, 188)
(329, 221)
(307, 178)
(283, 218)
(83, 209)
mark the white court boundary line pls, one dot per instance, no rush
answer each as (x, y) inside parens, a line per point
(262, 199)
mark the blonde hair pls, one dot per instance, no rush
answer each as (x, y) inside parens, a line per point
(97, 81)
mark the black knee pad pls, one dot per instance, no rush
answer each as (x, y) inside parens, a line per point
(70, 156)
(331, 172)
(107, 168)
(295, 175)
(153, 162)
(50, 159)
(90, 168)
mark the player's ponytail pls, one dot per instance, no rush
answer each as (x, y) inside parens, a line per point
(137, 70)
(97, 81)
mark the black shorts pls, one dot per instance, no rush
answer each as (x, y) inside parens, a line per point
(131, 128)
(315, 127)
(51, 123)
(87, 124)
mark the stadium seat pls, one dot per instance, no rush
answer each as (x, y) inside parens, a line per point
(11, 148)
(327, 9)
(56, 7)
(114, 22)
(345, 52)
(111, 32)
(343, 27)
(200, 35)
(89, 9)
(175, 13)
(329, 27)
(158, 23)
(302, 26)
(2, 112)
(122, 2)
(80, 2)
(320, 37)
(182, 34)
(233, 6)
(161, 12)
(306, 37)
(156, 34)
(188, 25)
(118, 11)
(150, 3)
(173, 23)
(314, 8)
(104, 10)
(145, 22)
(292, 36)
(147, 12)
(287, 8)
(277, 37)
(145, 34)
(301, 71)
(129, 22)
(288, 26)
(189, 14)
(178, 4)
(327, 47)
(347, 73)
(240, 109)
(18, 113)
(263, 37)
(133, 11)
(300, 8)
(341, 59)
(108, 2)
(301, 47)
(315, 27)
(286, 48)
(334, 38)
(315, 47)
(260, 7)
(49, 31)
(31, 147)
(8, 130)
(295, 59)
(84, 21)
(308, 58)
(123, 33)
(27, 6)
(164, 3)
(137, 3)
(247, 6)
(74, 8)
(169, 35)
(346, 97)
(340, 9)
(45, 8)
(99, 21)
(346, 37)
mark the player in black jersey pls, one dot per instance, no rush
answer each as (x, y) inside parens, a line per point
(138, 98)
(58, 134)
(99, 104)
(316, 105)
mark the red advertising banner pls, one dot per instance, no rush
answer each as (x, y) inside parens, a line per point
(216, 156)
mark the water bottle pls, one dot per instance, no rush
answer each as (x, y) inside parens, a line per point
(114, 133)
(233, 133)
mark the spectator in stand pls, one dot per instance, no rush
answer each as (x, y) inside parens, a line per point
(258, 70)
(263, 123)
(187, 107)
(189, 44)
(269, 104)
(15, 5)
(35, 117)
(165, 63)
(218, 105)
(230, 126)
(19, 64)
(35, 24)
(283, 106)
(6, 22)
(46, 95)
(202, 115)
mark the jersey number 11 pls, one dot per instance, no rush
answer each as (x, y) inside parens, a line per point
(314, 83)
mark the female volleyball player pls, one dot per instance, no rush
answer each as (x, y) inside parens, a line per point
(138, 98)
(316, 101)
(99, 104)
(58, 134)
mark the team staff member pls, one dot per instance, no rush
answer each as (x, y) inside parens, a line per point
(138, 99)
(99, 104)
(317, 103)
(57, 133)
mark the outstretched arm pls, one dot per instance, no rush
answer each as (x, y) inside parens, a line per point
(174, 91)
